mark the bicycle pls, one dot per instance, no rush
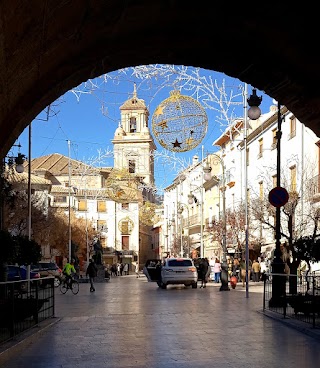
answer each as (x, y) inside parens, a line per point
(71, 284)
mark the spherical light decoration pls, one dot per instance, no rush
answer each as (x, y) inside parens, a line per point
(122, 186)
(147, 213)
(179, 123)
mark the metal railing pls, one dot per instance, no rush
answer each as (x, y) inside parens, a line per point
(299, 297)
(23, 305)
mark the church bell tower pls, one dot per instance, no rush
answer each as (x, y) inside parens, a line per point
(133, 143)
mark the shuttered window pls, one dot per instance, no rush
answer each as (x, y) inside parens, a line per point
(82, 205)
(101, 206)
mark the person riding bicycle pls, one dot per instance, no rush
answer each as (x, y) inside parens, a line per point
(68, 270)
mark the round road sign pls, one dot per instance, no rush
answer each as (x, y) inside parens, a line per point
(278, 196)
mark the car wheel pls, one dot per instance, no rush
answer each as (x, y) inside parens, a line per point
(194, 285)
(56, 282)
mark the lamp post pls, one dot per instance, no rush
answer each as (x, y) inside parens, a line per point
(277, 266)
(181, 206)
(191, 199)
(69, 204)
(254, 113)
(17, 163)
(224, 266)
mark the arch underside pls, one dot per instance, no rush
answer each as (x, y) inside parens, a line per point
(47, 48)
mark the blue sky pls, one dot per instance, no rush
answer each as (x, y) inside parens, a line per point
(88, 120)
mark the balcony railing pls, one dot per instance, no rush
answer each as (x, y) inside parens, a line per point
(313, 188)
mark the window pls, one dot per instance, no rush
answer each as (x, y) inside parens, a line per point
(102, 226)
(101, 206)
(293, 177)
(132, 166)
(133, 125)
(274, 138)
(125, 206)
(82, 205)
(261, 190)
(260, 148)
(179, 263)
(293, 125)
(60, 199)
(126, 226)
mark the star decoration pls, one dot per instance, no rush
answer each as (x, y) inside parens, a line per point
(163, 124)
(189, 141)
(159, 110)
(119, 193)
(176, 143)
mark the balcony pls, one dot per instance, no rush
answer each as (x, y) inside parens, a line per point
(313, 188)
(195, 220)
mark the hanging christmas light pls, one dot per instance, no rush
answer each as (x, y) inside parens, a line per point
(179, 123)
(122, 186)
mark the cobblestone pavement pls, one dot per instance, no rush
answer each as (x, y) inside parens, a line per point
(129, 322)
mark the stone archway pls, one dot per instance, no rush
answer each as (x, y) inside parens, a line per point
(46, 48)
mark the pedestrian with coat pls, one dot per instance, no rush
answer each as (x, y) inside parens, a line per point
(92, 271)
(217, 270)
(203, 272)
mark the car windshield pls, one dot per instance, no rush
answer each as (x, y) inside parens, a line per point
(179, 263)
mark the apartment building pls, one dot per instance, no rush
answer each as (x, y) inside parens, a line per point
(243, 170)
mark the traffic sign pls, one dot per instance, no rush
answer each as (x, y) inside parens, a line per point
(278, 196)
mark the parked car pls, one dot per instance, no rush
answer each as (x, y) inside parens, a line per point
(48, 269)
(172, 271)
(16, 273)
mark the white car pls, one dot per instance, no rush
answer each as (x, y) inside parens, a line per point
(172, 271)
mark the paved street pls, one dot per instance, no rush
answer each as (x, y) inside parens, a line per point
(129, 322)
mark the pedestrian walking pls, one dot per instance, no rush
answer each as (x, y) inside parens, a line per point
(92, 271)
(217, 270)
(244, 271)
(203, 272)
(137, 270)
(256, 271)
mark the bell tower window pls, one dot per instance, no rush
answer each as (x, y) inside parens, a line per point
(133, 125)
(132, 166)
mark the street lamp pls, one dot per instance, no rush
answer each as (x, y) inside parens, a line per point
(191, 199)
(15, 162)
(224, 266)
(277, 266)
(181, 206)
(254, 102)
(254, 113)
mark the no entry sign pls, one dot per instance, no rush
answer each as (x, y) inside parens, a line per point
(278, 196)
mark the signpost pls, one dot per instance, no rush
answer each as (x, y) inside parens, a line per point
(278, 196)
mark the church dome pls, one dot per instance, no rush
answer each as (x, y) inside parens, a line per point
(145, 130)
(119, 132)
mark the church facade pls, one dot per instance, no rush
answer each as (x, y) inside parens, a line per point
(110, 199)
